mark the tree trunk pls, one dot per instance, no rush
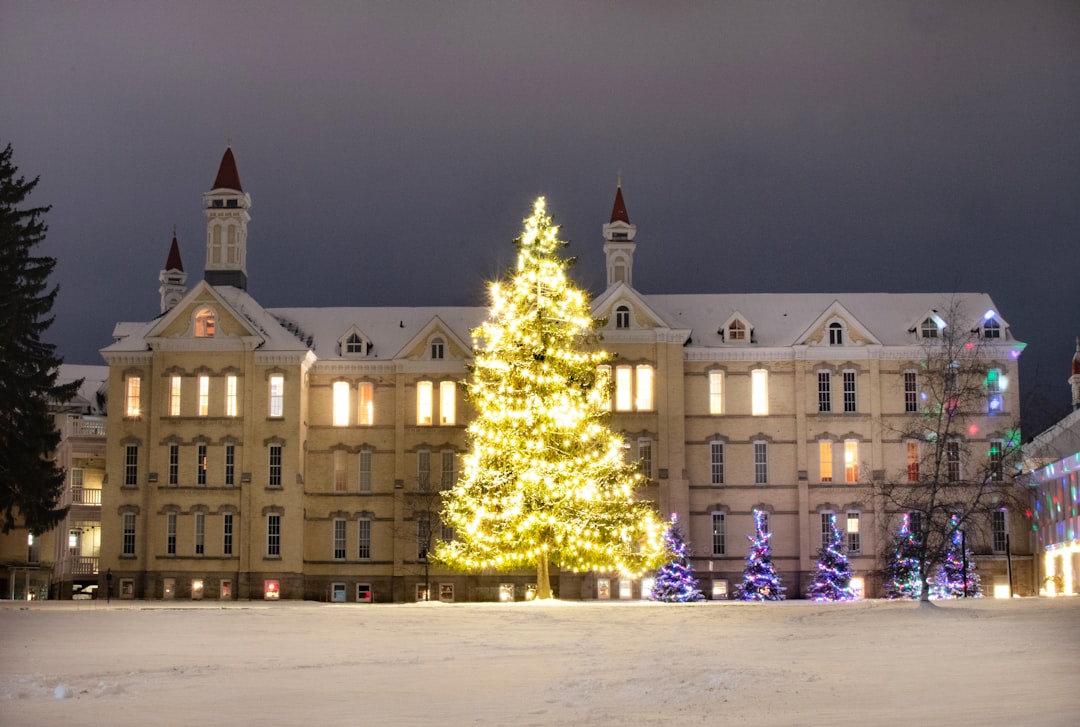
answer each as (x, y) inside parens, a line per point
(543, 581)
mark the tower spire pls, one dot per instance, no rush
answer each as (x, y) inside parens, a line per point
(619, 241)
(172, 277)
(226, 207)
(1074, 379)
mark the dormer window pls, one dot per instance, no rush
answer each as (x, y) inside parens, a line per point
(438, 348)
(622, 317)
(619, 236)
(736, 331)
(354, 344)
(204, 323)
(991, 328)
(836, 334)
(929, 328)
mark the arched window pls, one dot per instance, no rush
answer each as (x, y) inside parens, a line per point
(836, 334)
(438, 348)
(622, 317)
(204, 323)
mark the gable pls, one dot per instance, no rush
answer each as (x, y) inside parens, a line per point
(436, 331)
(837, 326)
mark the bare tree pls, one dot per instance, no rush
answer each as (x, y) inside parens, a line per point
(960, 449)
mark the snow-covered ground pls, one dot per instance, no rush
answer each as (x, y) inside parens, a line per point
(978, 662)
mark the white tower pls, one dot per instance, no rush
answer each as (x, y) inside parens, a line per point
(172, 278)
(226, 208)
(619, 243)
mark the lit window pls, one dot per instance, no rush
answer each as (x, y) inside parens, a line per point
(716, 463)
(644, 388)
(227, 534)
(277, 395)
(174, 396)
(174, 464)
(825, 460)
(854, 541)
(365, 394)
(716, 392)
(204, 323)
(132, 392)
(913, 460)
(423, 470)
(364, 532)
(200, 464)
(736, 331)
(129, 534)
(339, 539)
(836, 334)
(851, 460)
(645, 457)
(341, 474)
(761, 463)
(274, 466)
(365, 471)
(622, 317)
(824, 391)
(273, 534)
(438, 348)
(952, 460)
(911, 391)
(131, 465)
(200, 533)
(204, 395)
(341, 404)
(423, 402)
(759, 387)
(447, 398)
(170, 534)
(624, 385)
(231, 407)
(849, 381)
(999, 525)
(719, 533)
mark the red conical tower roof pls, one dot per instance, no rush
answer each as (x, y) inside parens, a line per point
(618, 211)
(174, 263)
(227, 176)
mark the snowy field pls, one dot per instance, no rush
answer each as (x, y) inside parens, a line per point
(978, 662)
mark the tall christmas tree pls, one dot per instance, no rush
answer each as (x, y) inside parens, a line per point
(832, 574)
(676, 582)
(30, 481)
(545, 480)
(760, 581)
(902, 578)
(958, 567)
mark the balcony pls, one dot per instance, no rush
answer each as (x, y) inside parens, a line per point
(85, 496)
(82, 565)
(80, 426)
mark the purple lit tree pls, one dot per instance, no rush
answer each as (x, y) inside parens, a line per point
(675, 581)
(950, 575)
(760, 581)
(902, 565)
(832, 575)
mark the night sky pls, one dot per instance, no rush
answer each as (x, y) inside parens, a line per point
(391, 150)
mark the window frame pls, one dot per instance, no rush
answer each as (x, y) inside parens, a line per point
(339, 544)
(716, 462)
(759, 392)
(204, 395)
(200, 463)
(824, 392)
(851, 461)
(275, 456)
(170, 533)
(761, 462)
(227, 533)
(200, 533)
(850, 382)
(175, 389)
(132, 395)
(127, 538)
(825, 461)
(363, 533)
(716, 392)
(424, 403)
(341, 401)
(273, 535)
(719, 533)
(911, 392)
(365, 404)
(447, 403)
(853, 537)
(131, 465)
(276, 394)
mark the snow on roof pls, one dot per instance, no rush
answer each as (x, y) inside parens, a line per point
(780, 318)
(94, 380)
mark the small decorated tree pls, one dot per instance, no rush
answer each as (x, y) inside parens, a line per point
(949, 578)
(902, 564)
(832, 575)
(676, 582)
(760, 581)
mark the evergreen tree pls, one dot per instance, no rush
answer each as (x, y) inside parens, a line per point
(760, 581)
(676, 582)
(902, 565)
(30, 481)
(832, 574)
(545, 479)
(949, 581)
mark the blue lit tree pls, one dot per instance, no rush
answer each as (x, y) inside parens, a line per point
(950, 575)
(675, 581)
(832, 575)
(760, 581)
(902, 578)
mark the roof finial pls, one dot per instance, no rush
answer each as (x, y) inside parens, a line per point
(618, 178)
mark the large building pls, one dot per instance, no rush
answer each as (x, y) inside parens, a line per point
(300, 453)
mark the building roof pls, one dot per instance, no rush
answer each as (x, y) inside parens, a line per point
(91, 395)
(227, 176)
